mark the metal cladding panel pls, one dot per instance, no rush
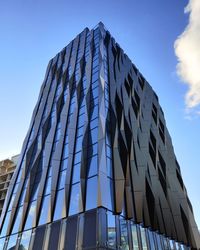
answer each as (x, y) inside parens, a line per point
(97, 138)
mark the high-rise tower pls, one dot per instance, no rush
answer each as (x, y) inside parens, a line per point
(97, 168)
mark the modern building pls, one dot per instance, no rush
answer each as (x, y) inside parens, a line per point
(97, 168)
(7, 168)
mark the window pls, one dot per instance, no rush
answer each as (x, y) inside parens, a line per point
(59, 205)
(92, 150)
(64, 164)
(94, 112)
(48, 186)
(45, 210)
(31, 215)
(77, 158)
(92, 166)
(143, 238)
(124, 234)
(12, 241)
(94, 123)
(94, 135)
(76, 173)
(2, 241)
(17, 220)
(111, 230)
(91, 193)
(5, 224)
(74, 199)
(151, 240)
(109, 167)
(62, 179)
(79, 143)
(135, 236)
(25, 240)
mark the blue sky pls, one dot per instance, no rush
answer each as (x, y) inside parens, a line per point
(32, 32)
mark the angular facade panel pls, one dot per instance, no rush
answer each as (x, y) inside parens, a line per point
(97, 168)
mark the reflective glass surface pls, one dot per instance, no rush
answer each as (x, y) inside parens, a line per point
(45, 210)
(111, 227)
(134, 236)
(74, 199)
(12, 242)
(143, 238)
(59, 205)
(31, 215)
(91, 194)
(25, 240)
(124, 234)
(17, 220)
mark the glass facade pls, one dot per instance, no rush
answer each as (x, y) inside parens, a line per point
(85, 173)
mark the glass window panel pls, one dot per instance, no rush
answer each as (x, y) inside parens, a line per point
(95, 76)
(76, 173)
(59, 205)
(124, 234)
(94, 101)
(95, 63)
(64, 164)
(74, 199)
(91, 193)
(92, 150)
(11, 202)
(111, 230)
(81, 120)
(109, 167)
(108, 151)
(5, 224)
(95, 92)
(94, 135)
(31, 215)
(134, 236)
(143, 238)
(80, 131)
(48, 186)
(45, 210)
(2, 241)
(79, 141)
(171, 242)
(77, 158)
(25, 240)
(110, 194)
(17, 220)
(158, 240)
(165, 243)
(65, 152)
(12, 242)
(62, 179)
(92, 166)
(151, 240)
(94, 123)
(35, 191)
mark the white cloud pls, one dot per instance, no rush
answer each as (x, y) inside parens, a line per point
(187, 50)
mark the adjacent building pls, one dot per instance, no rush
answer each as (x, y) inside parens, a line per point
(7, 168)
(97, 168)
